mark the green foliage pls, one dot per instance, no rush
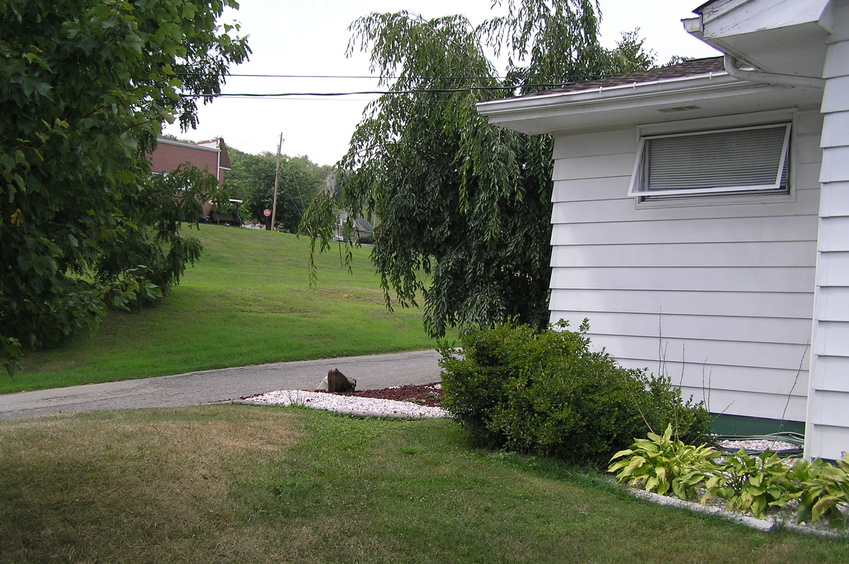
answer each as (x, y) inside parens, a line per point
(319, 223)
(630, 54)
(750, 483)
(84, 88)
(10, 354)
(547, 392)
(144, 262)
(252, 179)
(661, 463)
(464, 202)
(824, 487)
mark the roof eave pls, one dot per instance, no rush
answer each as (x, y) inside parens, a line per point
(613, 105)
(783, 38)
(188, 145)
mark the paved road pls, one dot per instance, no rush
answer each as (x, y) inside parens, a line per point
(209, 386)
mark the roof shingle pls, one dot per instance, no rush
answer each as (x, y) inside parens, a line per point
(694, 67)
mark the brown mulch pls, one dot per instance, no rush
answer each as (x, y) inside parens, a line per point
(425, 394)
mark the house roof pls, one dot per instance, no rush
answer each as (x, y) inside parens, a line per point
(693, 89)
(203, 146)
(693, 67)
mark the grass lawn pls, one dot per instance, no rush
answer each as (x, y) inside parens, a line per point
(247, 301)
(268, 484)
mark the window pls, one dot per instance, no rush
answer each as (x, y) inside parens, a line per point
(739, 160)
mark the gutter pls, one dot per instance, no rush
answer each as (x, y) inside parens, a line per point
(696, 28)
(608, 94)
(732, 68)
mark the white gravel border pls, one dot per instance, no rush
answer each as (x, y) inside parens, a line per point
(348, 405)
(766, 525)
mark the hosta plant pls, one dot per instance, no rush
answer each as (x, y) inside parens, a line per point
(660, 463)
(750, 483)
(824, 488)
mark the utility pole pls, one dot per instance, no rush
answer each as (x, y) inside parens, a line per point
(276, 177)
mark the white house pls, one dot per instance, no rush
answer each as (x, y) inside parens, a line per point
(701, 214)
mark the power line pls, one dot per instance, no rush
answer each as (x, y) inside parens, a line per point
(309, 76)
(296, 76)
(370, 77)
(343, 76)
(376, 92)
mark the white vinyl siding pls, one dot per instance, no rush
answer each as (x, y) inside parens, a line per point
(749, 159)
(827, 431)
(722, 291)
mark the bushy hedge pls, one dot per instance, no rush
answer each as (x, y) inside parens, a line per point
(549, 393)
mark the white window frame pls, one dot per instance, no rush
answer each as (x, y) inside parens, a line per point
(638, 187)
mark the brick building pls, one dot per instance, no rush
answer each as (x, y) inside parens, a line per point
(210, 156)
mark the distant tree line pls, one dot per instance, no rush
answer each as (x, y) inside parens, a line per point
(251, 179)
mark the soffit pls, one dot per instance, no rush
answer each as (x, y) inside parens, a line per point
(783, 37)
(627, 106)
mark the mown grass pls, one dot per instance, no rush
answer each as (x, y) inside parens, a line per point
(247, 301)
(251, 484)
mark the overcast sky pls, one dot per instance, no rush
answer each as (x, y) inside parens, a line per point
(309, 38)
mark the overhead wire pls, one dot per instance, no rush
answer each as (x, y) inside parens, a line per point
(553, 85)
(379, 92)
(345, 76)
(364, 92)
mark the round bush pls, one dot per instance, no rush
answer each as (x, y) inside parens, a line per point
(549, 393)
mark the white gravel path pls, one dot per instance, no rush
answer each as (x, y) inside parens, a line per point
(348, 405)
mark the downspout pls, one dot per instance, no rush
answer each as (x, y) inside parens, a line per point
(217, 171)
(770, 78)
(218, 164)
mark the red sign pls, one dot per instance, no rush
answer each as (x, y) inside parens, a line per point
(266, 212)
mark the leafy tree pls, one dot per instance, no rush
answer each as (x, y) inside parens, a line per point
(464, 202)
(252, 179)
(140, 266)
(631, 55)
(85, 86)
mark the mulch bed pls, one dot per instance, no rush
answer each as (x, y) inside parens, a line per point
(425, 394)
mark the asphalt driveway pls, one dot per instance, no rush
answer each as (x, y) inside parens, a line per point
(211, 386)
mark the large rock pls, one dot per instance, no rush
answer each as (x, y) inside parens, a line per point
(339, 383)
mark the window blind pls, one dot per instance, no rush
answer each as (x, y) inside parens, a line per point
(740, 159)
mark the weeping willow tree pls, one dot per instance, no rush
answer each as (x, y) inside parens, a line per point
(462, 207)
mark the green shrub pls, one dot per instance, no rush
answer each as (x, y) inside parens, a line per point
(548, 393)
(824, 487)
(661, 463)
(747, 483)
(751, 483)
